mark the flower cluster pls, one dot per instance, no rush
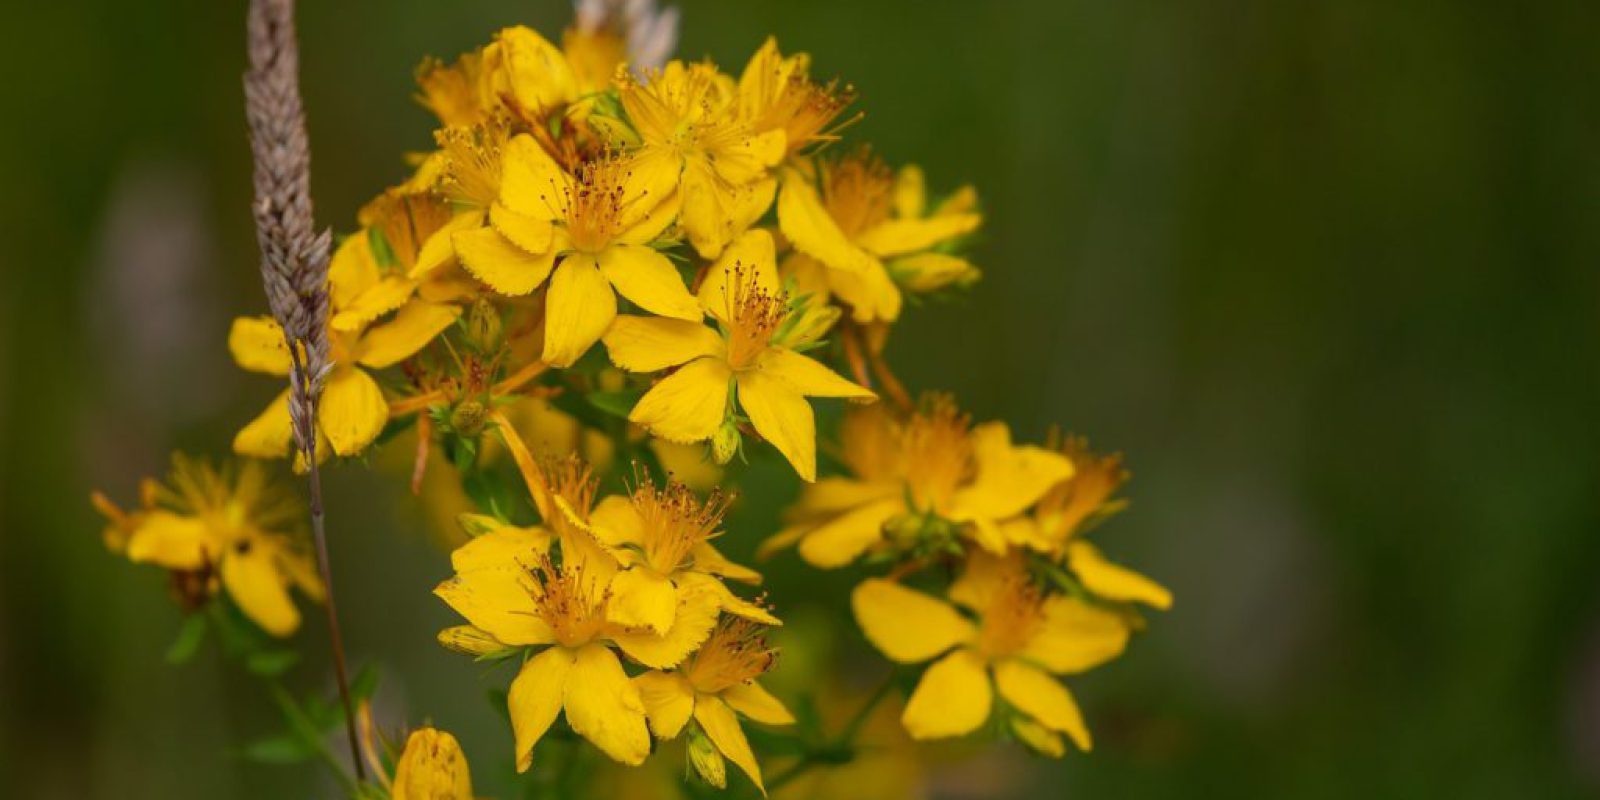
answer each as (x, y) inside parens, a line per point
(607, 281)
(1032, 597)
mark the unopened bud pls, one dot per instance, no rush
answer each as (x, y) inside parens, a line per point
(484, 326)
(725, 442)
(1037, 737)
(468, 418)
(470, 640)
(476, 525)
(705, 759)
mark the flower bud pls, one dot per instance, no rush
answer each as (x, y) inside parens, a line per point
(725, 442)
(705, 759)
(476, 525)
(1037, 737)
(484, 326)
(470, 640)
(432, 767)
(468, 417)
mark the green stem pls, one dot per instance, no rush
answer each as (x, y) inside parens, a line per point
(308, 731)
(843, 742)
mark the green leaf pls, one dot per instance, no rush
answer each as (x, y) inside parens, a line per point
(271, 663)
(189, 638)
(617, 404)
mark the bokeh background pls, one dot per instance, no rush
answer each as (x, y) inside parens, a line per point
(1326, 272)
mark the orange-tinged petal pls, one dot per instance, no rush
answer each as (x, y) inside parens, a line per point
(952, 699)
(649, 344)
(648, 278)
(719, 723)
(688, 405)
(668, 701)
(503, 266)
(783, 417)
(808, 377)
(536, 697)
(1042, 697)
(603, 706)
(905, 624)
(402, 337)
(253, 581)
(353, 411)
(578, 310)
(257, 345)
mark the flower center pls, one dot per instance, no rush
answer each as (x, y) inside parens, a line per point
(736, 652)
(753, 315)
(570, 601)
(1012, 618)
(472, 162)
(937, 452)
(859, 192)
(675, 521)
(595, 205)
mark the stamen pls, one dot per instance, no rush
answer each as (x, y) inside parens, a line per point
(472, 162)
(675, 521)
(937, 451)
(753, 316)
(735, 653)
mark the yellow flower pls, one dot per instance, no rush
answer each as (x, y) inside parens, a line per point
(1022, 638)
(524, 71)
(452, 92)
(232, 522)
(777, 93)
(751, 359)
(934, 466)
(1068, 510)
(710, 687)
(863, 234)
(693, 139)
(594, 56)
(662, 538)
(593, 230)
(353, 410)
(432, 767)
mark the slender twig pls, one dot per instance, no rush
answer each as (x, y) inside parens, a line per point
(294, 265)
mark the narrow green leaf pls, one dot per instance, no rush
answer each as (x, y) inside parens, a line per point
(189, 638)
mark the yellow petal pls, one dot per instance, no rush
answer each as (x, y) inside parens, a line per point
(870, 292)
(804, 219)
(1076, 636)
(648, 278)
(648, 344)
(580, 307)
(498, 600)
(533, 234)
(754, 701)
(1113, 581)
(651, 198)
(507, 546)
(719, 723)
(351, 270)
(353, 411)
(752, 254)
(839, 541)
(783, 417)
(603, 706)
(952, 699)
(536, 697)
(432, 767)
(1009, 478)
(808, 377)
(269, 434)
(907, 625)
(829, 496)
(172, 541)
(643, 598)
(378, 299)
(439, 248)
(691, 624)
(688, 405)
(1042, 697)
(982, 579)
(930, 272)
(910, 192)
(252, 580)
(709, 559)
(725, 598)
(668, 701)
(899, 236)
(257, 345)
(503, 266)
(531, 182)
(400, 338)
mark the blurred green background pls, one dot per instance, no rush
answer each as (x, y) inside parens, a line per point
(1326, 272)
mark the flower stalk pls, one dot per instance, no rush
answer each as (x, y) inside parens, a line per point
(294, 264)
